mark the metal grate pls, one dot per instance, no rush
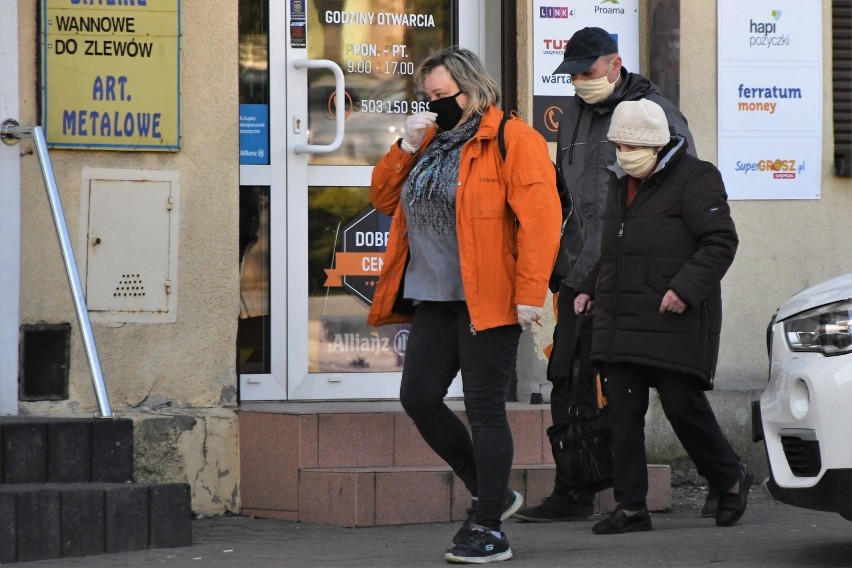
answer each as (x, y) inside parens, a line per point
(44, 361)
(803, 456)
(841, 40)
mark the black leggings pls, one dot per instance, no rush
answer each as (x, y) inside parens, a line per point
(440, 344)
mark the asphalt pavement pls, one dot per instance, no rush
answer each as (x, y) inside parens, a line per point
(769, 534)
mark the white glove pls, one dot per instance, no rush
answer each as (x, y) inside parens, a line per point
(528, 314)
(415, 128)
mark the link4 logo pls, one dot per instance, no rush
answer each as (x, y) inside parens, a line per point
(558, 12)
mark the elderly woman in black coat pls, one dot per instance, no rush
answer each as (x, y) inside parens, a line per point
(667, 241)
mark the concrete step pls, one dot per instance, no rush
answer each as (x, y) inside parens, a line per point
(361, 497)
(54, 520)
(365, 464)
(65, 450)
(66, 490)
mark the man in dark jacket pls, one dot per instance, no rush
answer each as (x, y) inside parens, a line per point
(667, 241)
(583, 155)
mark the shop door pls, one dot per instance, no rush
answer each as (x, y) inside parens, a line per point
(10, 212)
(326, 241)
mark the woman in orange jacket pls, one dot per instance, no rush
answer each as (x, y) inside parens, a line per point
(471, 247)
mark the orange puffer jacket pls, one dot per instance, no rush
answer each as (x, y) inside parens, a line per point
(508, 220)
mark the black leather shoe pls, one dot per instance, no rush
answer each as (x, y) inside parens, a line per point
(556, 508)
(708, 511)
(732, 505)
(619, 523)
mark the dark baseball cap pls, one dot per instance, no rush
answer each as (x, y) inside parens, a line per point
(584, 48)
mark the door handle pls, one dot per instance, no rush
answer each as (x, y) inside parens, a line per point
(340, 106)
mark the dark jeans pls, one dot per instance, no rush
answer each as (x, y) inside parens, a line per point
(566, 392)
(440, 344)
(626, 387)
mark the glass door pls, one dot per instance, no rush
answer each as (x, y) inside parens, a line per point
(326, 240)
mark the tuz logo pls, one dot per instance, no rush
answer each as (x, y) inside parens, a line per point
(554, 46)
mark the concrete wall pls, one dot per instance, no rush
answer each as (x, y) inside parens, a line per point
(157, 368)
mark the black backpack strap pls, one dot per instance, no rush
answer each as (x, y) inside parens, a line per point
(501, 135)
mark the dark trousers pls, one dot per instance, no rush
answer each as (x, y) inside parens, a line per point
(440, 344)
(567, 392)
(626, 387)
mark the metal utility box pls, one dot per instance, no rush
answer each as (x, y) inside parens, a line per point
(130, 219)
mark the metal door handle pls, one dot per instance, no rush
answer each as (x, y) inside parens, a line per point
(340, 110)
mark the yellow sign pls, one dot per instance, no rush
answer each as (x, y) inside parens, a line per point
(111, 74)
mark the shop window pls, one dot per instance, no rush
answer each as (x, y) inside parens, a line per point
(254, 52)
(253, 329)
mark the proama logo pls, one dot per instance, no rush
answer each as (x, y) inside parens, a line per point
(600, 9)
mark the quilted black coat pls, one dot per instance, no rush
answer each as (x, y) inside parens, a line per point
(678, 234)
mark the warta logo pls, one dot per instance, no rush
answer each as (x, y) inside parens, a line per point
(557, 12)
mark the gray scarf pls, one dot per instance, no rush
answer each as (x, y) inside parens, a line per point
(439, 165)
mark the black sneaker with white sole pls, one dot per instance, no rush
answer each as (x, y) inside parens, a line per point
(479, 546)
(512, 503)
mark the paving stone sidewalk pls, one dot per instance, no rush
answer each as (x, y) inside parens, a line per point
(769, 535)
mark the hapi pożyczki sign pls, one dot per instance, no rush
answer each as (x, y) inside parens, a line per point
(357, 268)
(111, 74)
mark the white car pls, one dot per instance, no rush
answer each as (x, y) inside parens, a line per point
(805, 413)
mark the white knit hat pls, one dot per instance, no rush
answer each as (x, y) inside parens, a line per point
(639, 123)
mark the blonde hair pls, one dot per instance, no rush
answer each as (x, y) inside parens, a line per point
(468, 72)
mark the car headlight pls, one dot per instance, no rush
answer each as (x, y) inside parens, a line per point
(824, 329)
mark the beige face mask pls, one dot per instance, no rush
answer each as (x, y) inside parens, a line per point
(637, 163)
(594, 91)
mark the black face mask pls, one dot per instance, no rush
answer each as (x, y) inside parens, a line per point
(448, 110)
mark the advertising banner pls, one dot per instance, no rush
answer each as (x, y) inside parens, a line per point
(111, 74)
(554, 22)
(770, 98)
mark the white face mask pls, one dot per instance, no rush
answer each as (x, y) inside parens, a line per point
(594, 91)
(637, 163)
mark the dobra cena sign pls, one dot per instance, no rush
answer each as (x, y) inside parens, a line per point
(111, 74)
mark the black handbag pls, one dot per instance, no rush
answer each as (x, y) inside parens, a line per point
(582, 440)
